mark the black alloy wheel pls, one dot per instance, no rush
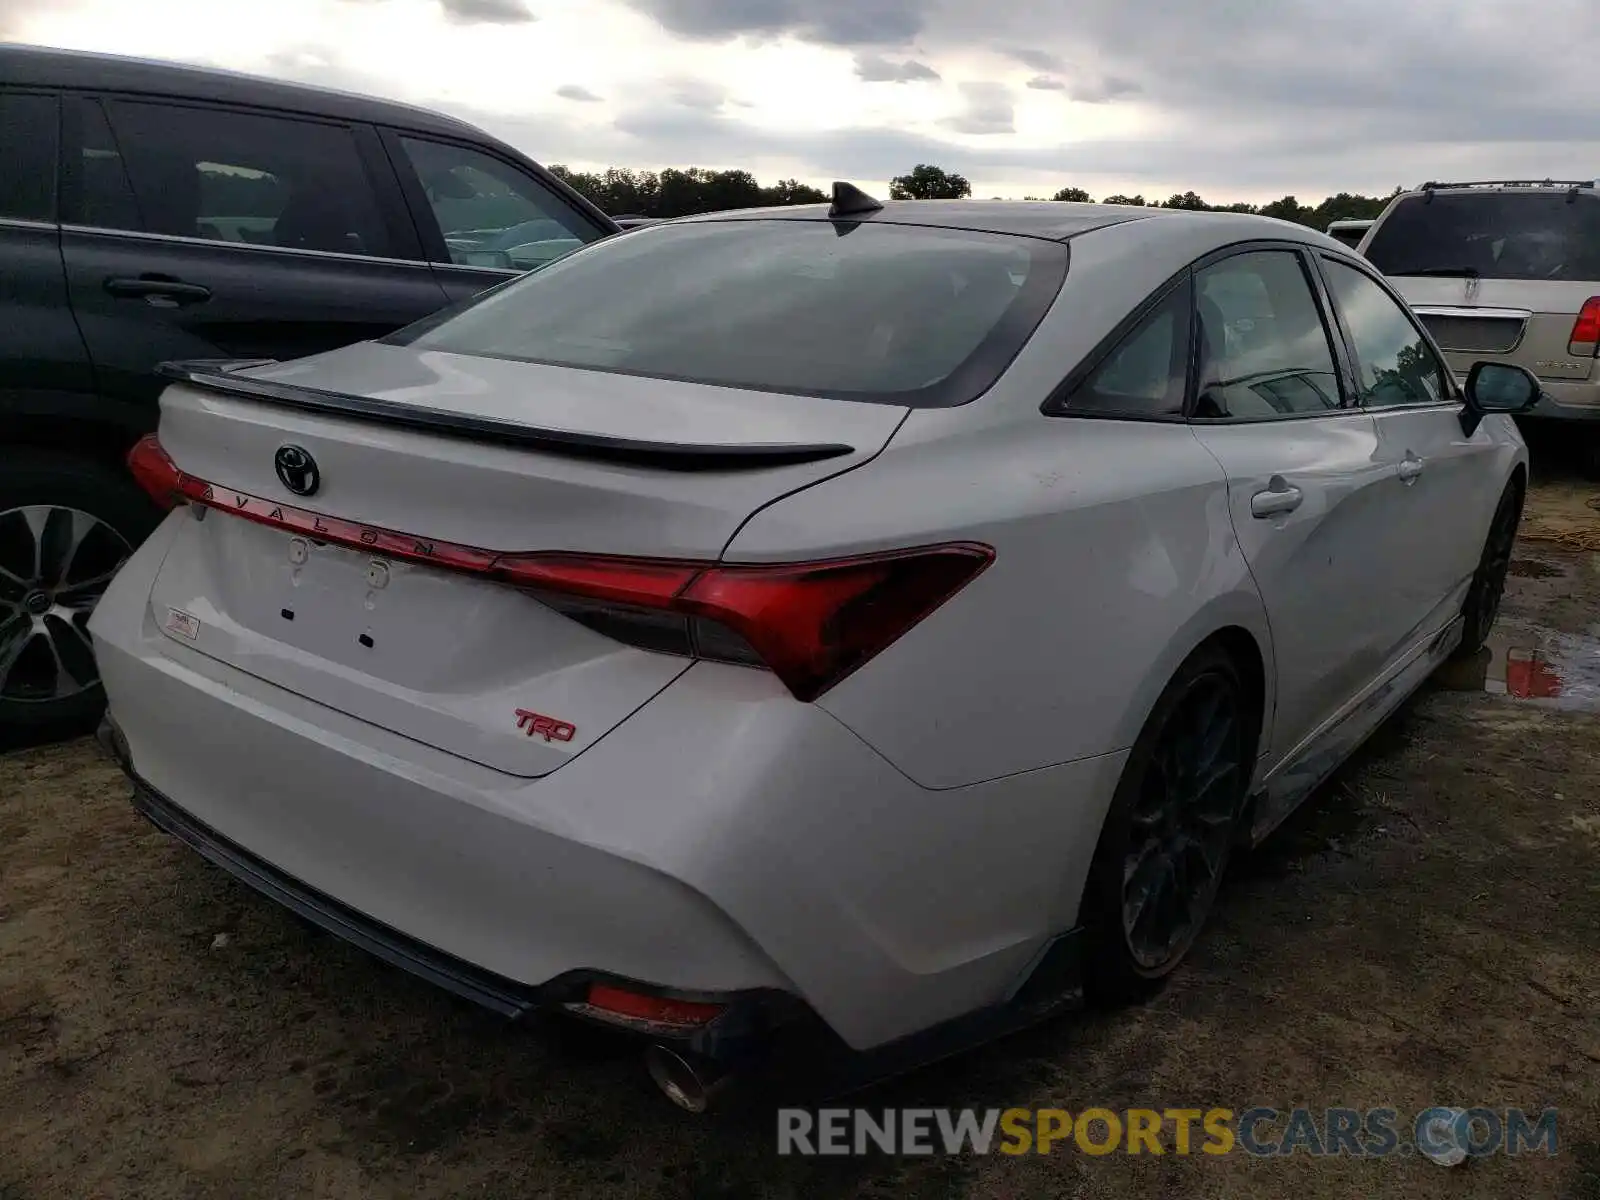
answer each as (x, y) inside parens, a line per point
(1171, 828)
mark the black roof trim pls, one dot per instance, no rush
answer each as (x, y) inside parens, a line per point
(39, 66)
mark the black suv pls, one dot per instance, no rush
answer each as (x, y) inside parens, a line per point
(150, 212)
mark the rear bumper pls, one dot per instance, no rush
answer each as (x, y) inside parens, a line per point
(765, 1030)
(504, 996)
(745, 1031)
(482, 988)
(724, 840)
(1568, 401)
(1563, 399)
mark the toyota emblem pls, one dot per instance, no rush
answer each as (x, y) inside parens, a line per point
(297, 470)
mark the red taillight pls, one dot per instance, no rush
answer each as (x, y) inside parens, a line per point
(814, 623)
(1585, 337)
(646, 583)
(810, 623)
(608, 1001)
(155, 472)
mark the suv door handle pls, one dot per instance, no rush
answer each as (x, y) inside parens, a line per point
(1279, 498)
(161, 290)
(1408, 470)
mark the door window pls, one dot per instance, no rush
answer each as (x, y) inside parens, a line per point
(491, 214)
(1146, 374)
(1264, 350)
(100, 195)
(28, 132)
(1395, 364)
(228, 176)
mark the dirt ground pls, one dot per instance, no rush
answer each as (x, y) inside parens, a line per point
(1426, 930)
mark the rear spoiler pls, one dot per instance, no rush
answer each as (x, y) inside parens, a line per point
(218, 375)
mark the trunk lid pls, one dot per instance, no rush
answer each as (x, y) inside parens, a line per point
(471, 452)
(1522, 321)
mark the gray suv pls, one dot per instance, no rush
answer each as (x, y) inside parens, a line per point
(1507, 271)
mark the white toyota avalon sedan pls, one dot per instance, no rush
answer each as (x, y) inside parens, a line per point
(878, 620)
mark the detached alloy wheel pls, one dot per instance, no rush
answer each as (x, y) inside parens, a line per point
(1171, 829)
(66, 528)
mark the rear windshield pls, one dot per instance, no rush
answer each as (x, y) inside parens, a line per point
(858, 311)
(1492, 235)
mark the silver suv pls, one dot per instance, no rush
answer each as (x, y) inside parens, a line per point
(1506, 270)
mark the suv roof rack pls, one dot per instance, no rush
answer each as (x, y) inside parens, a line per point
(1549, 183)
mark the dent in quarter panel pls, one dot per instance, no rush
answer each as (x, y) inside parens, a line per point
(1113, 546)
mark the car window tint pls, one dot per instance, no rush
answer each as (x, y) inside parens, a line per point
(232, 177)
(893, 313)
(28, 131)
(1264, 350)
(102, 197)
(1145, 375)
(492, 215)
(1526, 234)
(1394, 362)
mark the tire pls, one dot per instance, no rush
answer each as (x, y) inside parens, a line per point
(1119, 965)
(88, 517)
(1482, 605)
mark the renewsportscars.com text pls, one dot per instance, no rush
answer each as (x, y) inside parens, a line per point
(1260, 1132)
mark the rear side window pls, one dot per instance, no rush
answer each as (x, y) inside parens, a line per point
(1264, 350)
(1146, 374)
(492, 215)
(862, 311)
(229, 177)
(1492, 235)
(29, 128)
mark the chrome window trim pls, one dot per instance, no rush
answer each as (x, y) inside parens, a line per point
(508, 272)
(1451, 310)
(138, 235)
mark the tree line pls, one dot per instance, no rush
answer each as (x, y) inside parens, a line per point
(680, 193)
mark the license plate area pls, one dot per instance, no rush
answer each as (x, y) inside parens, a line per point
(338, 603)
(454, 661)
(273, 601)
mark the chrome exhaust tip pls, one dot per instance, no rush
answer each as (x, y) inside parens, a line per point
(689, 1081)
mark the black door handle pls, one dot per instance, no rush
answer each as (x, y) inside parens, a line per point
(159, 289)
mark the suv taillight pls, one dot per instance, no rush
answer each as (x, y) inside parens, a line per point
(1585, 337)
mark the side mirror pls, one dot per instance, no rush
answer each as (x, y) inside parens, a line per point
(1493, 387)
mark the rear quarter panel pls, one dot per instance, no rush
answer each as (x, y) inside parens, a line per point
(1115, 557)
(1115, 552)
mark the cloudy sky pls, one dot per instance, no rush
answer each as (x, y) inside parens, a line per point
(1237, 99)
